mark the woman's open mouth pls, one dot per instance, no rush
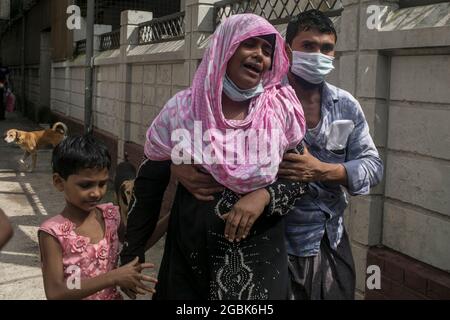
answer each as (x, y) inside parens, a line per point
(253, 68)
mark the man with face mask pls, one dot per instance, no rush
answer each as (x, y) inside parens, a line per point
(339, 152)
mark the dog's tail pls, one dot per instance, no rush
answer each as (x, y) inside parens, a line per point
(61, 128)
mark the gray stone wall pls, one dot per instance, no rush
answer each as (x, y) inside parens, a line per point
(400, 74)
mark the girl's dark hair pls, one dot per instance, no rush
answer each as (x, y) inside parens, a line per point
(79, 152)
(311, 19)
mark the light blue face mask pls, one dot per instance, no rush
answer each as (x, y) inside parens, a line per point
(236, 94)
(312, 67)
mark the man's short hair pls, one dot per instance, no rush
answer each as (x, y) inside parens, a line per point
(77, 153)
(311, 19)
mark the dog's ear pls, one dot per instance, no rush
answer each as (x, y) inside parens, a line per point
(17, 135)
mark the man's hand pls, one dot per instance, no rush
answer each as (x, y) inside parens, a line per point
(244, 213)
(201, 185)
(307, 168)
(301, 167)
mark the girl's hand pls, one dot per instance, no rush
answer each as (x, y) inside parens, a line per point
(244, 213)
(130, 279)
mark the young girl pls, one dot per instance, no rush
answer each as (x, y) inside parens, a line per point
(79, 247)
(236, 90)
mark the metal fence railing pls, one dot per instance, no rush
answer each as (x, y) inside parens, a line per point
(110, 40)
(167, 28)
(275, 11)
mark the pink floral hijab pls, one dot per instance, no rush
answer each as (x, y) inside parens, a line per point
(193, 121)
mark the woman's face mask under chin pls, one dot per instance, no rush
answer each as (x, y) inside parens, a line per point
(236, 94)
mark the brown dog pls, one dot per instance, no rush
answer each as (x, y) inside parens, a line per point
(123, 187)
(31, 141)
(124, 199)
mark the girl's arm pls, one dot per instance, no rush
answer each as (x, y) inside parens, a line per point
(57, 288)
(6, 231)
(149, 187)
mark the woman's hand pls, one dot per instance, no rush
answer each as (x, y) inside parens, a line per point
(130, 279)
(244, 213)
(200, 185)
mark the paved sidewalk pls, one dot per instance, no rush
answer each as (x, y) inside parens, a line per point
(28, 199)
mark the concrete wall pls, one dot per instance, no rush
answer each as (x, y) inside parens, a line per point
(67, 87)
(32, 88)
(45, 70)
(417, 207)
(399, 72)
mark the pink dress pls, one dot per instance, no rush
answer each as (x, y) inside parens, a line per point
(80, 255)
